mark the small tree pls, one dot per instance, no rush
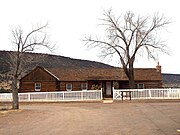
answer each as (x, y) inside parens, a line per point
(20, 60)
(128, 36)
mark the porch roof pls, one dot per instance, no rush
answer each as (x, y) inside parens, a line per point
(141, 74)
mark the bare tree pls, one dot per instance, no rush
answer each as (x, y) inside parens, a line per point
(128, 36)
(20, 60)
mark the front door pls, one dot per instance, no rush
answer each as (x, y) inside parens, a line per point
(108, 88)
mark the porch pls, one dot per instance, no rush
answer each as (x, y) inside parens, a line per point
(107, 86)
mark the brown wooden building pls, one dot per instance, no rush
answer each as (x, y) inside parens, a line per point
(60, 79)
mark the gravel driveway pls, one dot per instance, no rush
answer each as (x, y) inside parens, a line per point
(92, 119)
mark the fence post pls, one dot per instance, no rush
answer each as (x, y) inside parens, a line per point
(63, 95)
(149, 94)
(168, 93)
(29, 97)
(81, 95)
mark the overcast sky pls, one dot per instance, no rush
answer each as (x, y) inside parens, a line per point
(70, 20)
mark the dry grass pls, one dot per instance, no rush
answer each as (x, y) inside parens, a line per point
(5, 108)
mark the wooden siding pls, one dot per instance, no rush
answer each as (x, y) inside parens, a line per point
(76, 86)
(39, 75)
(151, 84)
(123, 84)
(147, 84)
(45, 86)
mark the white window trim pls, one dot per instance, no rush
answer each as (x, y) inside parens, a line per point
(139, 85)
(82, 86)
(36, 87)
(67, 86)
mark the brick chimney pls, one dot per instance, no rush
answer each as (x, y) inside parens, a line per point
(158, 67)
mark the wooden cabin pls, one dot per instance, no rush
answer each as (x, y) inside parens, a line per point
(59, 79)
(39, 80)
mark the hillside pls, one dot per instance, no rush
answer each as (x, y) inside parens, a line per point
(171, 80)
(50, 61)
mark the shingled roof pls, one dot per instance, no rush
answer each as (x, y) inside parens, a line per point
(103, 74)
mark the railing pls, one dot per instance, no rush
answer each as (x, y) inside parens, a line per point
(55, 96)
(6, 97)
(93, 95)
(147, 93)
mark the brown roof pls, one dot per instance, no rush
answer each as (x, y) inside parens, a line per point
(103, 74)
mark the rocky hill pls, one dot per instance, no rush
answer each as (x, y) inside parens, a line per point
(171, 80)
(51, 61)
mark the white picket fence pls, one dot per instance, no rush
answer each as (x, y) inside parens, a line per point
(93, 95)
(55, 96)
(146, 94)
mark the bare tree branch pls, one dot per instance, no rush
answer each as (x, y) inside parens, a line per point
(20, 60)
(127, 35)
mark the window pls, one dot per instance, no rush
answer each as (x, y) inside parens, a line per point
(68, 86)
(37, 86)
(84, 86)
(139, 86)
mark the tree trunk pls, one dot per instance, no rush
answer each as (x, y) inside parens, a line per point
(131, 76)
(15, 103)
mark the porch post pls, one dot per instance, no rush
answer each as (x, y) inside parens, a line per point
(113, 93)
(101, 94)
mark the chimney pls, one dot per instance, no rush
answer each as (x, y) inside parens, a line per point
(158, 67)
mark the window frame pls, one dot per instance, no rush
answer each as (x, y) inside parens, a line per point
(69, 89)
(138, 85)
(82, 86)
(35, 87)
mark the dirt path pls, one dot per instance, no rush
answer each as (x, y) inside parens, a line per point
(93, 119)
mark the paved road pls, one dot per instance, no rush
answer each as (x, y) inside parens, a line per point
(93, 119)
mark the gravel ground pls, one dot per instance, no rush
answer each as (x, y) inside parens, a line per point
(119, 118)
